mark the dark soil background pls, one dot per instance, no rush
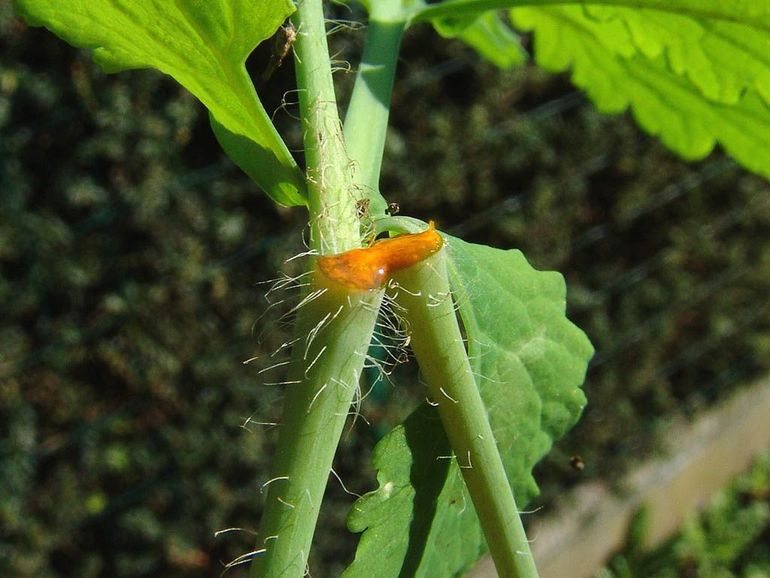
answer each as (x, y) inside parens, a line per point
(131, 256)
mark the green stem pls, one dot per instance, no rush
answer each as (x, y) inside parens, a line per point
(440, 350)
(366, 122)
(333, 329)
(334, 226)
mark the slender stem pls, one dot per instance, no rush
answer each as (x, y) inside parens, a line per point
(440, 350)
(366, 122)
(333, 329)
(332, 198)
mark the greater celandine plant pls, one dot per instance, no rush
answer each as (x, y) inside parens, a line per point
(507, 384)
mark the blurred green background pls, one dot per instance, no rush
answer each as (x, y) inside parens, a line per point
(132, 262)
(728, 539)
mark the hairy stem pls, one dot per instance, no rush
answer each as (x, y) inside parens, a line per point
(333, 329)
(334, 226)
(440, 350)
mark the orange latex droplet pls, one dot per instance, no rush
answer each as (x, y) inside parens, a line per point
(371, 267)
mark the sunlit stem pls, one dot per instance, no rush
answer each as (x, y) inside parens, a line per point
(440, 351)
(333, 329)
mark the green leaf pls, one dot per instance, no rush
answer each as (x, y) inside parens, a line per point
(203, 45)
(421, 502)
(530, 361)
(693, 72)
(616, 76)
(721, 58)
(753, 13)
(488, 34)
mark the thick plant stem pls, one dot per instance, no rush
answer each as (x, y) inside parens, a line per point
(333, 328)
(440, 350)
(366, 122)
(335, 332)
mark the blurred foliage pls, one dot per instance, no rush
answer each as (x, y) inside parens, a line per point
(129, 257)
(728, 540)
(131, 252)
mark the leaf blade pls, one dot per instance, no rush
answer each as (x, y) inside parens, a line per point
(488, 35)
(497, 291)
(203, 46)
(693, 72)
(664, 103)
(754, 13)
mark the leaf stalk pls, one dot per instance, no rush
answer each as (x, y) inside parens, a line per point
(366, 122)
(440, 350)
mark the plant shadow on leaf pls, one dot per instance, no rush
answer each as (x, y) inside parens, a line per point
(426, 438)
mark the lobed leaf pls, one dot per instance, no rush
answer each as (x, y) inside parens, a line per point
(664, 103)
(754, 13)
(693, 72)
(722, 58)
(531, 361)
(203, 45)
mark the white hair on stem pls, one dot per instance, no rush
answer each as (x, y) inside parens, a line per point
(309, 298)
(266, 424)
(339, 24)
(317, 395)
(285, 382)
(285, 104)
(285, 345)
(271, 481)
(446, 395)
(230, 530)
(275, 366)
(342, 484)
(313, 333)
(339, 65)
(243, 559)
(284, 502)
(315, 360)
